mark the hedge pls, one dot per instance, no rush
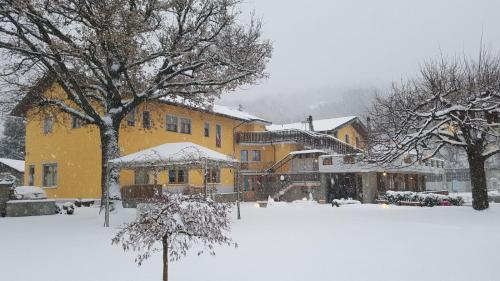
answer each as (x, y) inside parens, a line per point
(425, 199)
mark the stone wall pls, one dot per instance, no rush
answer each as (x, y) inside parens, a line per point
(22, 208)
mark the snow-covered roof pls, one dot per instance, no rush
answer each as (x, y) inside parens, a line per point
(17, 165)
(319, 125)
(309, 151)
(178, 153)
(224, 110)
(214, 108)
(339, 165)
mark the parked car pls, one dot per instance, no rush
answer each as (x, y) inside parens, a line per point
(29, 193)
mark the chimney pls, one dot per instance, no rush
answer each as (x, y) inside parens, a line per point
(310, 121)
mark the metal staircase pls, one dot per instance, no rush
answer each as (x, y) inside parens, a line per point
(279, 164)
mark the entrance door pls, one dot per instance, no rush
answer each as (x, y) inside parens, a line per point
(343, 186)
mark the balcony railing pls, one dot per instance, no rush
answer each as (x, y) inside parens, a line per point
(309, 139)
(303, 177)
(255, 165)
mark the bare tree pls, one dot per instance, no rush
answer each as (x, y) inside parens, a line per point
(172, 224)
(110, 56)
(454, 102)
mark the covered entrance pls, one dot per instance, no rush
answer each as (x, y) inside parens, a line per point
(344, 186)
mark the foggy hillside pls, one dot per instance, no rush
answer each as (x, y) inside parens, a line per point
(293, 107)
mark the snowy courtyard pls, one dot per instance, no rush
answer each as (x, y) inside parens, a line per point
(296, 241)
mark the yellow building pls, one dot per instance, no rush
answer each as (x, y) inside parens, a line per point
(348, 129)
(63, 154)
(288, 155)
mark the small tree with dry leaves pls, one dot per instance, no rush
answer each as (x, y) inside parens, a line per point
(173, 223)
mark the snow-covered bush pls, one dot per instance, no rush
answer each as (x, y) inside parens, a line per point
(425, 199)
(67, 208)
(174, 223)
(349, 201)
(84, 203)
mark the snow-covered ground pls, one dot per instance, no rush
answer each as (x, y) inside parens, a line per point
(298, 241)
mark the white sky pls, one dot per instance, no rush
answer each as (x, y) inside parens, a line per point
(357, 43)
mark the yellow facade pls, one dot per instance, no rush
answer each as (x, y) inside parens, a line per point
(77, 151)
(351, 136)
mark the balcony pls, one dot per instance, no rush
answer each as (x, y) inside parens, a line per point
(308, 139)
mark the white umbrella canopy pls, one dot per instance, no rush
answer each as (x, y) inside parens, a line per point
(174, 154)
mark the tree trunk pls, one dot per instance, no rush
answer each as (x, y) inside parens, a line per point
(109, 150)
(478, 180)
(165, 258)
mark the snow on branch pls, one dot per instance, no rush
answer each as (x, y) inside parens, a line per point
(452, 103)
(178, 222)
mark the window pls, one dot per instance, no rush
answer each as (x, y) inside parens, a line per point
(172, 176)
(185, 126)
(218, 135)
(31, 175)
(255, 155)
(131, 118)
(141, 177)
(49, 175)
(146, 120)
(206, 130)
(172, 123)
(357, 142)
(48, 125)
(327, 161)
(346, 138)
(177, 176)
(244, 156)
(213, 175)
(181, 176)
(76, 122)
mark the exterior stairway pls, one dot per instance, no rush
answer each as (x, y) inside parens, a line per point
(279, 164)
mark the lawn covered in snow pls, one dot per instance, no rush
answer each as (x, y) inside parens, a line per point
(298, 241)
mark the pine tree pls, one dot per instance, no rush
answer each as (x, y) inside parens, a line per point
(12, 141)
